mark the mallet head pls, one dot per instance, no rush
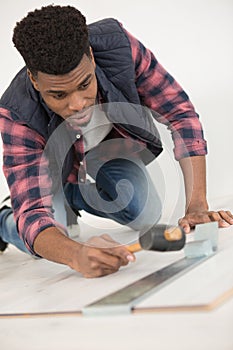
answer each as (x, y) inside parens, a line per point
(163, 238)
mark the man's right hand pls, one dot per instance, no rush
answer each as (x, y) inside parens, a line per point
(100, 256)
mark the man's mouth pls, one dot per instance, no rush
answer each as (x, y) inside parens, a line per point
(81, 118)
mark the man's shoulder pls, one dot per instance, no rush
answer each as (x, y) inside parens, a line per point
(21, 100)
(108, 35)
(108, 31)
(18, 83)
(105, 25)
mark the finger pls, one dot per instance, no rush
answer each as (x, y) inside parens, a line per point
(185, 225)
(105, 260)
(229, 213)
(123, 254)
(101, 242)
(227, 216)
(214, 216)
(108, 238)
(219, 217)
(101, 272)
(119, 250)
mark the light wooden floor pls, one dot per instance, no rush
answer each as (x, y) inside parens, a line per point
(194, 311)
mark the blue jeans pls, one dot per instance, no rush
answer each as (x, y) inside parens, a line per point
(8, 230)
(122, 190)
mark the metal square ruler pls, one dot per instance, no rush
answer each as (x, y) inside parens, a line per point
(124, 300)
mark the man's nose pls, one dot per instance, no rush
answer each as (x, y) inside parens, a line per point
(76, 102)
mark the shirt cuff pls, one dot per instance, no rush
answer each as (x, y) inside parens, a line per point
(35, 228)
(197, 147)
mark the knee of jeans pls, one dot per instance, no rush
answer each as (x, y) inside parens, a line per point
(139, 215)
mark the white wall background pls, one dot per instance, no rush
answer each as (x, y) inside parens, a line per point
(191, 38)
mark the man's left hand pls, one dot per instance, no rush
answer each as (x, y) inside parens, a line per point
(192, 218)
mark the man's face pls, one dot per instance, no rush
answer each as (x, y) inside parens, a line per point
(71, 93)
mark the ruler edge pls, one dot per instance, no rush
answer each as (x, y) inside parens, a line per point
(131, 305)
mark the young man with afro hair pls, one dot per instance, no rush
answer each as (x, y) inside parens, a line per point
(85, 104)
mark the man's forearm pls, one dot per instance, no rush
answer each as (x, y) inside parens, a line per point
(53, 245)
(194, 172)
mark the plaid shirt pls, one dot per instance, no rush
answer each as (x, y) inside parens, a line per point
(23, 147)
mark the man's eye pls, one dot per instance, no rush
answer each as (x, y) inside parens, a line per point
(59, 96)
(85, 86)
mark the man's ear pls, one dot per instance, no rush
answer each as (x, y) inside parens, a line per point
(33, 80)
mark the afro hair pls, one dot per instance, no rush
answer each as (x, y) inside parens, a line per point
(52, 40)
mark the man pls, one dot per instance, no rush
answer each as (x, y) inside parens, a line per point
(77, 109)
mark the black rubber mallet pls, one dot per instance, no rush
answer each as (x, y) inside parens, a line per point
(161, 238)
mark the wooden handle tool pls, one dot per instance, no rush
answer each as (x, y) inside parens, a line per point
(160, 238)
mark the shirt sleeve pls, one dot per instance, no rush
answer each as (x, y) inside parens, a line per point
(26, 170)
(160, 92)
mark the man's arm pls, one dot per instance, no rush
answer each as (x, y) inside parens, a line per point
(160, 92)
(23, 156)
(97, 257)
(196, 211)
